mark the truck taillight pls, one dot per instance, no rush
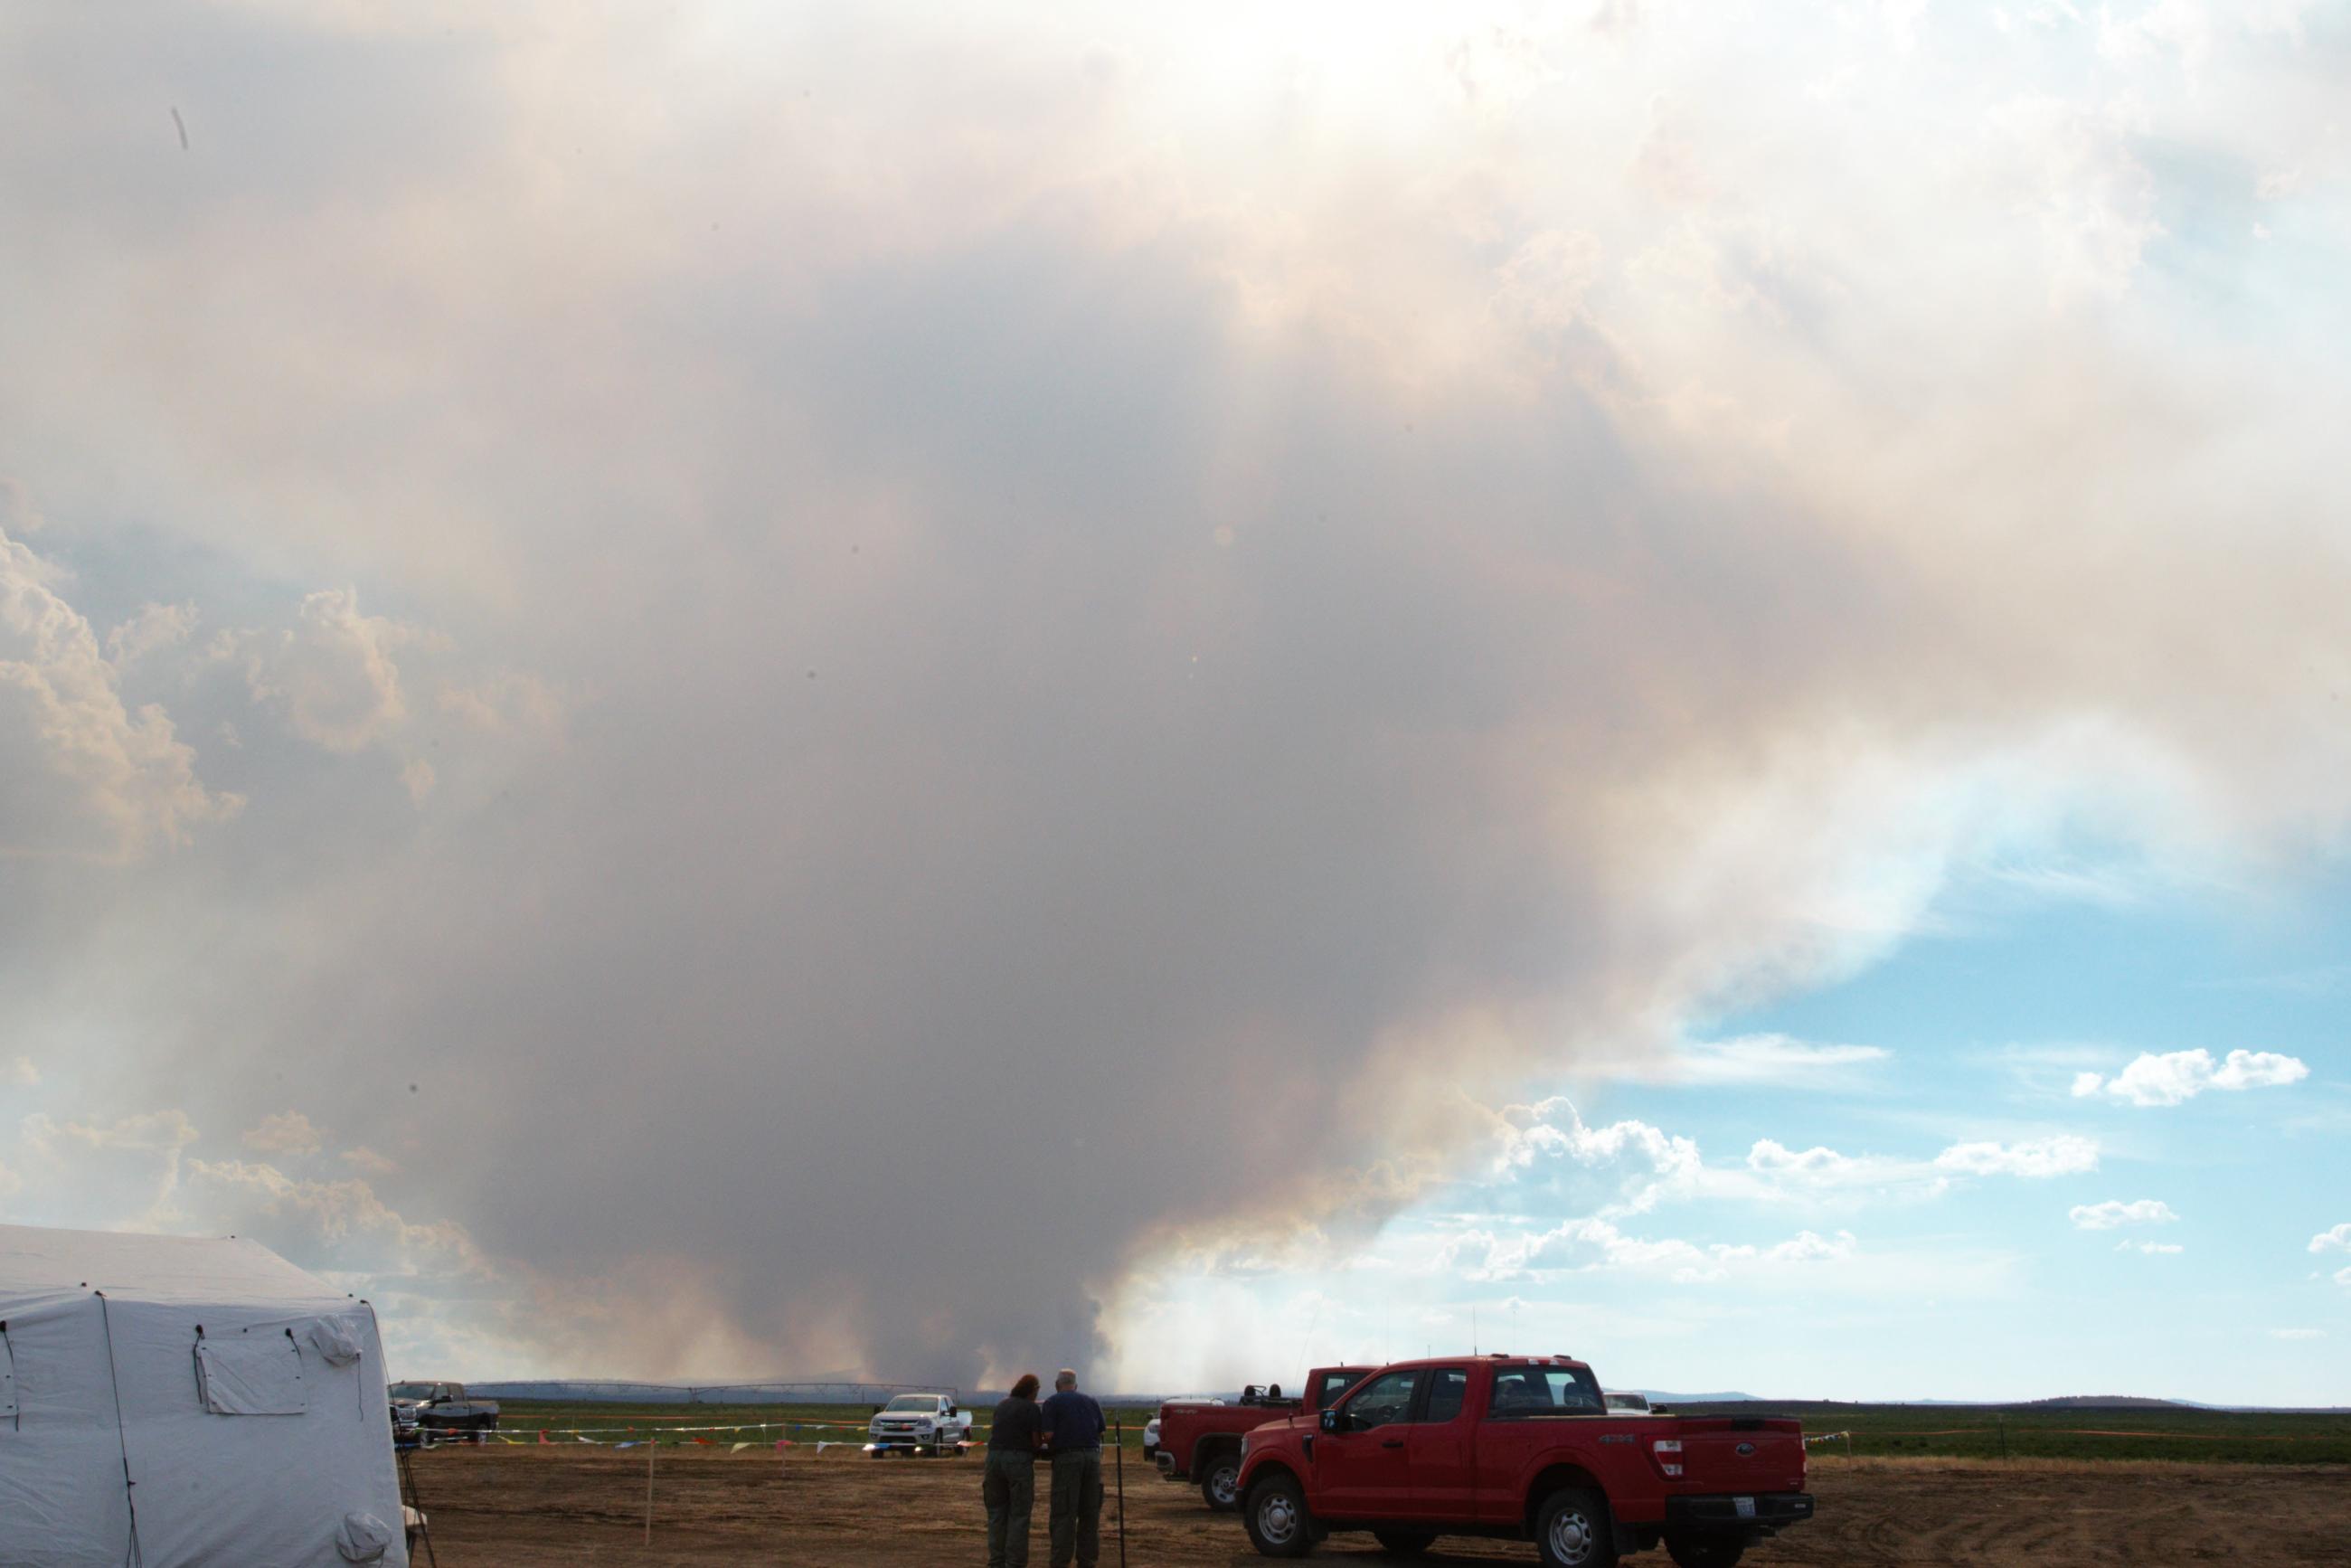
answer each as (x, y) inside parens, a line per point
(1672, 1470)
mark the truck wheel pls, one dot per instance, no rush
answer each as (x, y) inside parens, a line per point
(1397, 1541)
(1220, 1482)
(1705, 1550)
(1573, 1531)
(1276, 1520)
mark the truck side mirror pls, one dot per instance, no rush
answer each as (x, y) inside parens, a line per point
(1335, 1420)
(953, 1411)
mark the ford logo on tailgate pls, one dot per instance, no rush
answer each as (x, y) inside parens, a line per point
(1745, 1449)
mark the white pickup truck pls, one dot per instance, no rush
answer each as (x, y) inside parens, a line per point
(918, 1423)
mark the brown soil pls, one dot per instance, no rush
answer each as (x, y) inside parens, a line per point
(538, 1507)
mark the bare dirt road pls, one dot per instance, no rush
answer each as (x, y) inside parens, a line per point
(538, 1507)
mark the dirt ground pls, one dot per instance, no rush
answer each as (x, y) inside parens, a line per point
(526, 1507)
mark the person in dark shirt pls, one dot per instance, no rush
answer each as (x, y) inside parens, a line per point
(1009, 1483)
(1073, 1432)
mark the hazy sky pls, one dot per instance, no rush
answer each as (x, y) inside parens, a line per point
(724, 690)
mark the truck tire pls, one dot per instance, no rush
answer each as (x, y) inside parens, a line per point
(1220, 1475)
(1277, 1517)
(1572, 1530)
(1399, 1541)
(1705, 1551)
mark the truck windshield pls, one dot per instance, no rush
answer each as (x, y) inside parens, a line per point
(412, 1391)
(924, 1402)
(1520, 1392)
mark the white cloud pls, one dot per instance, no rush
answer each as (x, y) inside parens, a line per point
(284, 1132)
(2339, 1239)
(1648, 1165)
(368, 1162)
(1766, 1059)
(1595, 1244)
(153, 629)
(2179, 1076)
(2064, 1155)
(2152, 1248)
(339, 1224)
(147, 1131)
(2114, 1212)
(105, 1175)
(80, 775)
(333, 675)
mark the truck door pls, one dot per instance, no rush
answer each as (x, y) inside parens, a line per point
(1365, 1471)
(1440, 1443)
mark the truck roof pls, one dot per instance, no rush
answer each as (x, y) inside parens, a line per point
(1489, 1357)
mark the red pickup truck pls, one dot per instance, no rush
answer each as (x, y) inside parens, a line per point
(1200, 1441)
(1523, 1448)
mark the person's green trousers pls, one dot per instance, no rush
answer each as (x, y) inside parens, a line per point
(1008, 1487)
(1077, 1508)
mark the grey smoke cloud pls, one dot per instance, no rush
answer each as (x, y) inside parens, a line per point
(998, 687)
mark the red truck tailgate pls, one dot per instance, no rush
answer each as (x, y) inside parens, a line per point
(1737, 1454)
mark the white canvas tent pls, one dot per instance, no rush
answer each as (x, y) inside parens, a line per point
(168, 1401)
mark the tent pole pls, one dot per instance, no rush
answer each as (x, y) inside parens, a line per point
(114, 1376)
(423, 1524)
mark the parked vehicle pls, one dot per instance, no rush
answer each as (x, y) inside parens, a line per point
(1632, 1404)
(435, 1411)
(1151, 1427)
(916, 1424)
(1200, 1439)
(1520, 1448)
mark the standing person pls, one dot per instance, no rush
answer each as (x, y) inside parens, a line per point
(1009, 1483)
(1073, 1432)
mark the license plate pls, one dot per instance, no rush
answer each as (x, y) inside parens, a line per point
(1744, 1507)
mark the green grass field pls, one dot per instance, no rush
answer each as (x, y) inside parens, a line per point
(1953, 1431)
(2136, 1432)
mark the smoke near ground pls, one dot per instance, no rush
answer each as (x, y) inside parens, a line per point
(707, 696)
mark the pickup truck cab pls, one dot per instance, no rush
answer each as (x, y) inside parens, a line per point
(430, 1411)
(1200, 1440)
(918, 1423)
(1521, 1447)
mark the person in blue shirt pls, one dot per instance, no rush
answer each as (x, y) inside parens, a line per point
(1073, 1434)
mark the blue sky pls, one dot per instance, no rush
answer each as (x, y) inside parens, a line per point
(1935, 1282)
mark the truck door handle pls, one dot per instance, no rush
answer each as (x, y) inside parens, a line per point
(1392, 1442)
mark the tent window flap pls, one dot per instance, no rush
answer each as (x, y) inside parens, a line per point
(7, 1378)
(251, 1375)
